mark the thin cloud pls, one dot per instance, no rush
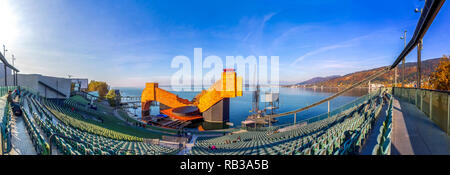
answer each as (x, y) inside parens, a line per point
(288, 34)
(260, 27)
(344, 44)
(320, 50)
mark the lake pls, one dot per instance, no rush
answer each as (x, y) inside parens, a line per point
(290, 99)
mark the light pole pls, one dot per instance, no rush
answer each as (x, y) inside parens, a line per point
(419, 54)
(403, 61)
(419, 61)
(4, 54)
(14, 72)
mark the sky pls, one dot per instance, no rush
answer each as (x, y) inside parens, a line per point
(129, 42)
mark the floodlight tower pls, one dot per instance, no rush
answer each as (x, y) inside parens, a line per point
(14, 72)
(4, 54)
(403, 61)
(419, 54)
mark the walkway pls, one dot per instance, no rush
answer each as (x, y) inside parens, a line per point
(20, 139)
(188, 146)
(415, 134)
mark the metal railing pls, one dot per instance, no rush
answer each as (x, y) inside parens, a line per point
(430, 11)
(342, 110)
(434, 103)
(5, 130)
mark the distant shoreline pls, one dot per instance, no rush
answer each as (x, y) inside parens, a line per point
(295, 86)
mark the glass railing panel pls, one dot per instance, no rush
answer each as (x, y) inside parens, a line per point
(426, 102)
(440, 109)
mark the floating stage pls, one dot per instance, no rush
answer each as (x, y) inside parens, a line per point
(210, 105)
(185, 113)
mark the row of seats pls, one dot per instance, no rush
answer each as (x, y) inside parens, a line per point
(68, 119)
(271, 134)
(349, 136)
(343, 133)
(75, 141)
(69, 103)
(383, 146)
(40, 144)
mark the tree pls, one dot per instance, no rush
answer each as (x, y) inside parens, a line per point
(111, 97)
(99, 86)
(72, 87)
(440, 78)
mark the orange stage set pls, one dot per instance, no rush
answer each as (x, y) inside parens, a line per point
(212, 105)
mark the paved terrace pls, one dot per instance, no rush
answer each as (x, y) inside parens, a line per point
(415, 134)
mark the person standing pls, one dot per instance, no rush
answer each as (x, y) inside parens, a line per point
(9, 98)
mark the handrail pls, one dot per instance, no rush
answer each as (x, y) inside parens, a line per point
(432, 90)
(8, 136)
(331, 97)
(3, 59)
(430, 11)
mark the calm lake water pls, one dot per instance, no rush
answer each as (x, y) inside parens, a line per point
(290, 99)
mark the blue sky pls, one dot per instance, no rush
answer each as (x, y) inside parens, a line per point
(128, 43)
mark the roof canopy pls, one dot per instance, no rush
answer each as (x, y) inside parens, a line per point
(3, 59)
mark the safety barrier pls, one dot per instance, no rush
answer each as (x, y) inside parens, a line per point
(4, 90)
(343, 110)
(435, 104)
(5, 127)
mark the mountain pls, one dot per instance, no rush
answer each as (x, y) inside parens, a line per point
(427, 66)
(318, 80)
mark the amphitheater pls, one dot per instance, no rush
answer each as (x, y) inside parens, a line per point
(387, 121)
(49, 123)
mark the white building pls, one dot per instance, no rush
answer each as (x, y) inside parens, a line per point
(81, 84)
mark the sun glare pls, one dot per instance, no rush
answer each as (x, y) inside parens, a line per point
(8, 23)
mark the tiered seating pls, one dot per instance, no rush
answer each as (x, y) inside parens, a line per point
(61, 114)
(343, 133)
(69, 103)
(40, 144)
(75, 138)
(63, 110)
(383, 146)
